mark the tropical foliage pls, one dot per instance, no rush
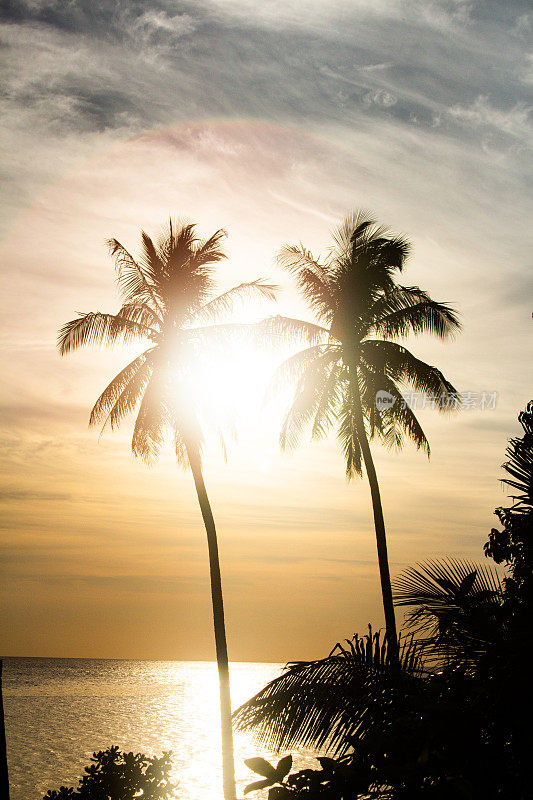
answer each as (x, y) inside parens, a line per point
(455, 609)
(513, 545)
(353, 359)
(271, 775)
(322, 704)
(117, 775)
(453, 721)
(332, 780)
(360, 309)
(431, 729)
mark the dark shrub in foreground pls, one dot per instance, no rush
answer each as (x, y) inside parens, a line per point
(114, 775)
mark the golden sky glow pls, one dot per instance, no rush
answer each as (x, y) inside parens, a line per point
(104, 557)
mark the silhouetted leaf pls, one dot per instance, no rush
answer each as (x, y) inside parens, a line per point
(447, 585)
(253, 787)
(284, 767)
(327, 764)
(261, 766)
(467, 583)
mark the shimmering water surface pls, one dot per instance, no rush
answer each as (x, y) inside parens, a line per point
(59, 711)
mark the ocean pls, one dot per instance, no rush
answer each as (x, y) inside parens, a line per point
(59, 711)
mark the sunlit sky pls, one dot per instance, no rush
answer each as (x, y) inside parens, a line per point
(272, 120)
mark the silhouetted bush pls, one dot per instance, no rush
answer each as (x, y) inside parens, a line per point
(333, 781)
(513, 545)
(114, 775)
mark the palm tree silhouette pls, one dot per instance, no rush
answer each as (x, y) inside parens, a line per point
(351, 358)
(168, 300)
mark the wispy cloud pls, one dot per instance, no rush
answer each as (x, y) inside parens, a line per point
(516, 122)
(106, 72)
(18, 495)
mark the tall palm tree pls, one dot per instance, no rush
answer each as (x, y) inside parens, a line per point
(352, 357)
(167, 300)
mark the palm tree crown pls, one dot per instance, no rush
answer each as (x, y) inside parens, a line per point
(167, 301)
(361, 309)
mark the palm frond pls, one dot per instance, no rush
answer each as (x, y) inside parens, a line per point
(278, 330)
(426, 316)
(309, 391)
(317, 295)
(329, 402)
(179, 283)
(396, 363)
(332, 703)
(114, 389)
(225, 303)
(392, 251)
(366, 255)
(311, 278)
(180, 449)
(209, 251)
(520, 463)
(396, 298)
(436, 581)
(390, 425)
(96, 328)
(133, 281)
(144, 315)
(153, 421)
(296, 257)
(369, 382)
(348, 436)
(292, 369)
(130, 396)
(400, 297)
(152, 264)
(454, 604)
(175, 244)
(188, 267)
(354, 226)
(404, 418)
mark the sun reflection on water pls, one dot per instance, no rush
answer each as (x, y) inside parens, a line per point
(59, 711)
(199, 768)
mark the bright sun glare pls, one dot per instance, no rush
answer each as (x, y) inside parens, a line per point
(229, 385)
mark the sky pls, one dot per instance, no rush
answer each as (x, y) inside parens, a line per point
(273, 121)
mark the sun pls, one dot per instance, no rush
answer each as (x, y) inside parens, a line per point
(227, 384)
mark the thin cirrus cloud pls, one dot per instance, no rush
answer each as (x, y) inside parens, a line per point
(272, 120)
(97, 73)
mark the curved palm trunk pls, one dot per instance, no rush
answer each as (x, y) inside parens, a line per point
(228, 767)
(379, 524)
